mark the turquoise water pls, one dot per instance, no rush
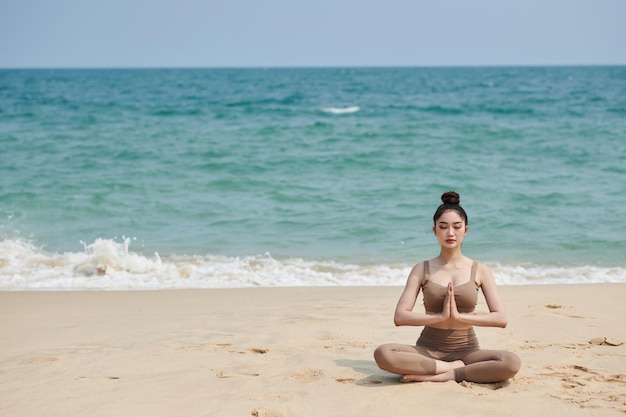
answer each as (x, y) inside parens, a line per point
(238, 177)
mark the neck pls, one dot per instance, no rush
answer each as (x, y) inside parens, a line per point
(451, 255)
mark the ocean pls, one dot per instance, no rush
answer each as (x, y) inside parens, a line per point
(123, 179)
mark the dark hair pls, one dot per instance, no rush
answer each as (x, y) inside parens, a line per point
(451, 201)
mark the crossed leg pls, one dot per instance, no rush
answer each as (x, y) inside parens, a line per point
(411, 362)
(482, 366)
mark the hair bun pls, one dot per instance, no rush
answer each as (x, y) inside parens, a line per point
(450, 197)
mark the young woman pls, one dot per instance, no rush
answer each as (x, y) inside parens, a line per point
(447, 348)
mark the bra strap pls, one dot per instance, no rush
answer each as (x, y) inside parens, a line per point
(473, 273)
(426, 271)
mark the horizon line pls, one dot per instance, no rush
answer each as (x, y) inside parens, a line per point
(192, 67)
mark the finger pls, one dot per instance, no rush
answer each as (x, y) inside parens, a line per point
(449, 293)
(453, 308)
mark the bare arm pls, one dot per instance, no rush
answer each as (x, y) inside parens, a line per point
(404, 314)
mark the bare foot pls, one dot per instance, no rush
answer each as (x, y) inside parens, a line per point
(445, 376)
(442, 366)
(444, 372)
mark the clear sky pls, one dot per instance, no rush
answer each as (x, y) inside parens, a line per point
(270, 33)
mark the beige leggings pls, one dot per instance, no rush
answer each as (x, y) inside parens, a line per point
(448, 345)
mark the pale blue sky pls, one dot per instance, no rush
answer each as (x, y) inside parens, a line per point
(269, 33)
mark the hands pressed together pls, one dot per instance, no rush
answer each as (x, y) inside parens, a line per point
(450, 310)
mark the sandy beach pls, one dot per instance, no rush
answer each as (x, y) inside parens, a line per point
(295, 352)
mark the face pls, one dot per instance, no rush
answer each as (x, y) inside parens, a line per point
(450, 229)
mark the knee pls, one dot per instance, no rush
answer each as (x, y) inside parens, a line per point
(513, 363)
(381, 356)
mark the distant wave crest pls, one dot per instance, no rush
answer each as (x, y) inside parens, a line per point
(341, 110)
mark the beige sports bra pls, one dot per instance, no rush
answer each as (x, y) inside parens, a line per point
(465, 295)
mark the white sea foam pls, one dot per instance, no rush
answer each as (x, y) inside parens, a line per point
(341, 110)
(110, 265)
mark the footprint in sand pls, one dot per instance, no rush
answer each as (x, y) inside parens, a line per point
(256, 351)
(587, 387)
(615, 378)
(39, 360)
(582, 372)
(214, 347)
(602, 392)
(226, 374)
(209, 347)
(261, 412)
(306, 375)
(607, 341)
(333, 344)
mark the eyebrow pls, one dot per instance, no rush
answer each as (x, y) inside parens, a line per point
(442, 222)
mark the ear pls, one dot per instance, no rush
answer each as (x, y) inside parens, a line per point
(466, 229)
(435, 230)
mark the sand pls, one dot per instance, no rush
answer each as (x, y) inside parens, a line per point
(295, 352)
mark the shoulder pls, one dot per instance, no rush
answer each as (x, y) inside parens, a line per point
(483, 274)
(481, 267)
(417, 273)
(419, 268)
